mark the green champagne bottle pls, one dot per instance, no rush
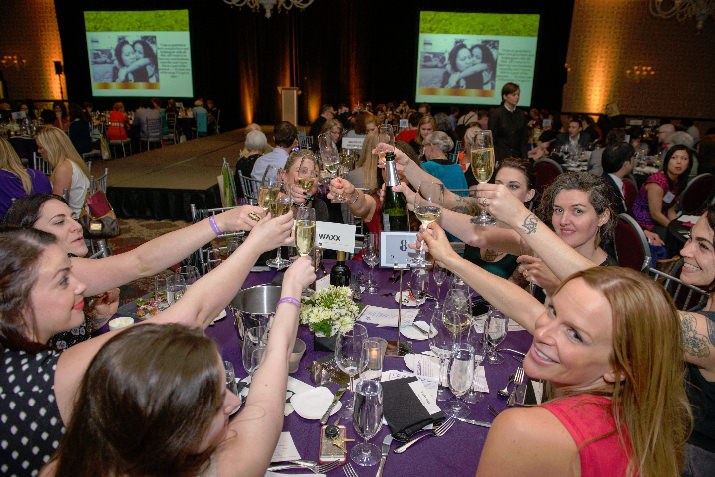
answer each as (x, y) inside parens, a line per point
(395, 205)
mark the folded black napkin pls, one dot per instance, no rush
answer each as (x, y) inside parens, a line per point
(404, 412)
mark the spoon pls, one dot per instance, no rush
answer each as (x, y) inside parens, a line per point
(505, 392)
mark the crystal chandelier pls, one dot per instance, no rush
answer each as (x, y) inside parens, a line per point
(268, 5)
(683, 10)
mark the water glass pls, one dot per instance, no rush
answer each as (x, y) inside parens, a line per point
(349, 357)
(439, 275)
(189, 273)
(495, 330)
(256, 357)
(475, 339)
(371, 256)
(230, 377)
(253, 338)
(461, 376)
(367, 420)
(175, 288)
(440, 344)
(419, 281)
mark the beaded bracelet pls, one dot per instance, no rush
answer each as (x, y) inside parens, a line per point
(288, 299)
(215, 228)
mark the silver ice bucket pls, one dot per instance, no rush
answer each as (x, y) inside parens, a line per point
(254, 306)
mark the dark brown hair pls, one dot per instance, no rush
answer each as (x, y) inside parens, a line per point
(25, 211)
(525, 166)
(20, 252)
(144, 405)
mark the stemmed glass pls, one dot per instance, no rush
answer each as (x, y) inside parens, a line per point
(367, 420)
(256, 357)
(439, 275)
(461, 376)
(440, 344)
(475, 338)
(189, 273)
(371, 256)
(495, 330)
(330, 158)
(428, 206)
(304, 230)
(482, 152)
(307, 175)
(280, 205)
(253, 339)
(419, 281)
(349, 358)
(386, 134)
(269, 188)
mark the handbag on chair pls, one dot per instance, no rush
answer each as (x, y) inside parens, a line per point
(97, 218)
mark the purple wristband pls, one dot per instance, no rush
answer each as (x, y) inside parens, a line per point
(215, 228)
(288, 299)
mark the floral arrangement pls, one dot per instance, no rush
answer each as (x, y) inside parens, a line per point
(330, 310)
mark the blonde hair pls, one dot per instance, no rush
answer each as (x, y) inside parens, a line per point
(58, 147)
(650, 400)
(298, 156)
(424, 120)
(10, 162)
(368, 161)
(469, 136)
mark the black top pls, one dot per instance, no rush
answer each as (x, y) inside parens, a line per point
(79, 135)
(317, 127)
(618, 201)
(701, 394)
(510, 133)
(244, 165)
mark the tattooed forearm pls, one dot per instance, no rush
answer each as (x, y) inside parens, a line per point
(694, 343)
(530, 223)
(711, 331)
(466, 205)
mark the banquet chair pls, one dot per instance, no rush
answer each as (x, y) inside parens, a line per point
(153, 134)
(201, 124)
(305, 142)
(100, 183)
(632, 249)
(694, 197)
(170, 133)
(686, 297)
(217, 126)
(545, 172)
(113, 143)
(453, 157)
(210, 255)
(249, 186)
(39, 164)
(458, 147)
(631, 192)
(99, 248)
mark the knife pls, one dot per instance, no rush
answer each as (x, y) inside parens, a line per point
(338, 394)
(476, 423)
(385, 451)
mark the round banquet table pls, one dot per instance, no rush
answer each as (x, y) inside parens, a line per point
(455, 454)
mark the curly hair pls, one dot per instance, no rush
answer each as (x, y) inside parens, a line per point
(599, 193)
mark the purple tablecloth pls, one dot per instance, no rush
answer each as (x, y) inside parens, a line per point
(455, 454)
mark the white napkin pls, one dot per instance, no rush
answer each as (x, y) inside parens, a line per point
(480, 380)
(689, 218)
(377, 315)
(220, 316)
(285, 449)
(313, 404)
(296, 387)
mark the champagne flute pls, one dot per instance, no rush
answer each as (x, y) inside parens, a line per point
(440, 343)
(307, 175)
(495, 330)
(475, 338)
(371, 256)
(268, 188)
(461, 376)
(280, 205)
(304, 230)
(482, 152)
(367, 420)
(439, 275)
(348, 357)
(386, 134)
(428, 207)
(330, 158)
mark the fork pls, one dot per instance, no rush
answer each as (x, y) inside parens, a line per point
(518, 380)
(438, 432)
(306, 464)
(505, 392)
(349, 471)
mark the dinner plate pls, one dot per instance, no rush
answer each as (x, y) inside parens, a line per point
(313, 404)
(407, 299)
(410, 332)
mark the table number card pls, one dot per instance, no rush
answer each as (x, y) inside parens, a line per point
(353, 142)
(394, 250)
(332, 236)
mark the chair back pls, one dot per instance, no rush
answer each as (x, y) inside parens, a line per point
(685, 296)
(218, 116)
(249, 186)
(631, 192)
(453, 157)
(164, 125)
(153, 128)
(694, 197)
(305, 142)
(632, 249)
(170, 135)
(116, 129)
(458, 147)
(213, 253)
(99, 249)
(201, 124)
(100, 183)
(40, 164)
(545, 172)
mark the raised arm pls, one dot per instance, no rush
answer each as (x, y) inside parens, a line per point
(361, 205)
(248, 449)
(502, 294)
(158, 254)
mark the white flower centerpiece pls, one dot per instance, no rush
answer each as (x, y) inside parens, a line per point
(330, 310)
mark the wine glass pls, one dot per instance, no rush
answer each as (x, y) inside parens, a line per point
(307, 175)
(495, 330)
(304, 230)
(330, 158)
(348, 357)
(371, 256)
(427, 206)
(482, 152)
(456, 319)
(461, 376)
(440, 344)
(189, 273)
(268, 188)
(419, 281)
(256, 357)
(439, 275)
(253, 338)
(475, 338)
(386, 134)
(280, 205)
(367, 420)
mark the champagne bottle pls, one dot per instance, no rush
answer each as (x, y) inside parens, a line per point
(340, 273)
(395, 206)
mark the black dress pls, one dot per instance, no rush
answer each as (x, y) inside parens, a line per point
(510, 133)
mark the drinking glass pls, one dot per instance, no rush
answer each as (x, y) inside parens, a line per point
(330, 158)
(256, 357)
(189, 273)
(373, 350)
(280, 205)
(441, 343)
(495, 329)
(253, 338)
(160, 290)
(419, 281)
(482, 163)
(475, 338)
(386, 134)
(461, 376)
(175, 288)
(307, 175)
(371, 256)
(457, 320)
(427, 206)
(304, 230)
(348, 357)
(439, 275)
(230, 377)
(367, 420)
(268, 188)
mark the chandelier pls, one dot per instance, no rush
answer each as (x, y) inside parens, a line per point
(683, 10)
(638, 73)
(268, 5)
(12, 61)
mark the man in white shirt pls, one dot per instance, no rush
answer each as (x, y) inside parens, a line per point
(574, 139)
(286, 138)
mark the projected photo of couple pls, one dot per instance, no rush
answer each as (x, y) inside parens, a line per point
(124, 59)
(458, 64)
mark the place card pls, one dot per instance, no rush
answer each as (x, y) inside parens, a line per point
(394, 250)
(332, 236)
(480, 380)
(285, 449)
(353, 142)
(377, 315)
(430, 384)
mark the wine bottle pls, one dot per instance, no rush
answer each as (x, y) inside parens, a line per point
(395, 206)
(340, 273)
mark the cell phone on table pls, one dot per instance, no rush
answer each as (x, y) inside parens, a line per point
(329, 452)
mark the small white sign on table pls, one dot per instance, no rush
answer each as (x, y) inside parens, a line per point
(353, 142)
(394, 250)
(332, 236)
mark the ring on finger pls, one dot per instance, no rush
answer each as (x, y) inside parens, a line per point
(484, 202)
(253, 216)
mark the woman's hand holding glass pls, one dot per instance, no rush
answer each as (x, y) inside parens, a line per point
(503, 205)
(427, 205)
(239, 218)
(537, 272)
(340, 187)
(304, 230)
(270, 233)
(437, 245)
(281, 205)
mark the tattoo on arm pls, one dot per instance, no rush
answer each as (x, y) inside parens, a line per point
(530, 223)
(695, 344)
(711, 331)
(466, 205)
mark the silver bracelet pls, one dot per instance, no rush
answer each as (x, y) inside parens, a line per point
(356, 197)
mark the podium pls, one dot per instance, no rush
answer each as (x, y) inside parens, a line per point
(289, 104)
